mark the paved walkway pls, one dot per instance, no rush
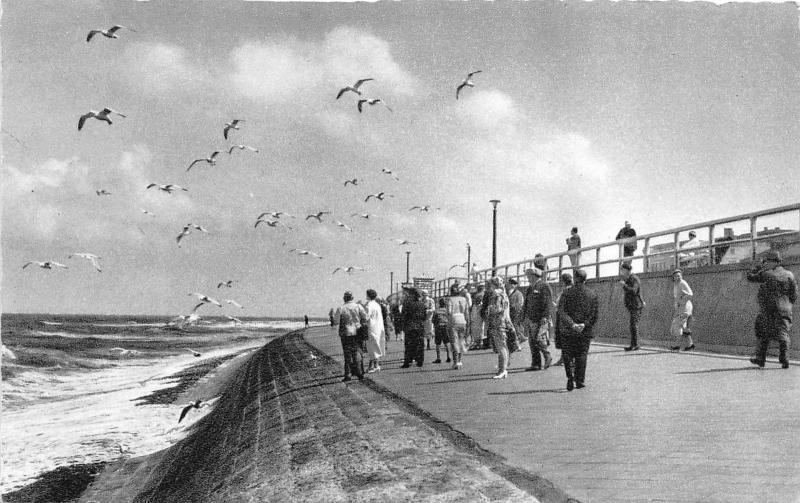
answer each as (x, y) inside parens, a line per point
(650, 425)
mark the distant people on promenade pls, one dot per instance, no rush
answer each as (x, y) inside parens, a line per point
(633, 302)
(720, 250)
(441, 328)
(395, 308)
(430, 307)
(413, 316)
(578, 314)
(566, 284)
(376, 332)
(776, 297)
(573, 244)
(516, 306)
(457, 311)
(682, 310)
(330, 316)
(350, 317)
(537, 306)
(477, 326)
(690, 258)
(627, 235)
(305, 317)
(496, 315)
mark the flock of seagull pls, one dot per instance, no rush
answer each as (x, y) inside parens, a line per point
(270, 219)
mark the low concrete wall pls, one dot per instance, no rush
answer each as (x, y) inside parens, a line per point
(725, 307)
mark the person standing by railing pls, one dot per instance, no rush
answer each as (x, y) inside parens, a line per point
(633, 302)
(628, 237)
(682, 304)
(574, 243)
(776, 297)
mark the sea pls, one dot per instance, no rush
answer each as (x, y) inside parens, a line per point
(85, 389)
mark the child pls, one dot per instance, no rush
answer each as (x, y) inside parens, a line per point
(441, 327)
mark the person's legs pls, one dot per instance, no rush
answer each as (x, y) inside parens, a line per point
(531, 331)
(635, 314)
(346, 355)
(569, 367)
(580, 369)
(784, 329)
(409, 348)
(676, 330)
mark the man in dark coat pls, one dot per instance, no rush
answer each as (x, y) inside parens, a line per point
(577, 314)
(776, 297)
(633, 302)
(627, 235)
(536, 318)
(413, 317)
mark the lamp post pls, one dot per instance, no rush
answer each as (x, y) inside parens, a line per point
(494, 236)
(391, 282)
(469, 261)
(408, 259)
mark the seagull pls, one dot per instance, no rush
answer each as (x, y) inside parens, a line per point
(45, 265)
(234, 124)
(466, 82)
(198, 227)
(167, 188)
(404, 241)
(389, 172)
(234, 319)
(372, 101)
(195, 405)
(305, 252)
(274, 214)
(231, 301)
(427, 207)
(88, 256)
(109, 33)
(349, 269)
(102, 192)
(343, 226)
(210, 160)
(464, 265)
(102, 115)
(362, 215)
(379, 196)
(185, 232)
(318, 215)
(354, 181)
(195, 353)
(242, 147)
(228, 283)
(147, 212)
(353, 88)
(204, 299)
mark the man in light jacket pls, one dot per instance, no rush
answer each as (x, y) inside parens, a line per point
(350, 316)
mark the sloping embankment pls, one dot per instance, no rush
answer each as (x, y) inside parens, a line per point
(287, 429)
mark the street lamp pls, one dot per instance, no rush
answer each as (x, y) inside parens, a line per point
(408, 259)
(469, 261)
(494, 236)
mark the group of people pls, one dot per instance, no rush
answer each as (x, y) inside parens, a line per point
(498, 315)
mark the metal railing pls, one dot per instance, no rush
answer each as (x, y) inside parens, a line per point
(661, 256)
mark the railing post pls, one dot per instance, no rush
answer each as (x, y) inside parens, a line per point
(753, 238)
(645, 258)
(711, 249)
(597, 262)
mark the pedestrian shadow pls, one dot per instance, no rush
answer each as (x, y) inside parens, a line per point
(643, 352)
(737, 369)
(593, 352)
(530, 391)
(483, 377)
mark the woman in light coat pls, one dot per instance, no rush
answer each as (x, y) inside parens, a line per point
(682, 295)
(376, 339)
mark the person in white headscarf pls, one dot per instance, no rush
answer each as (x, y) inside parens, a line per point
(376, 333)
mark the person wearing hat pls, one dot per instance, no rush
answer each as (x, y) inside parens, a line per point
(536, 318)
(350, 316)
(477, 327)
(682, 309)
(688, 258)
(776, 297)
(633, 302)
(430, 307)
(577, 314)
(413, 315)
(516, 303)
(627, 235)
(566, 284)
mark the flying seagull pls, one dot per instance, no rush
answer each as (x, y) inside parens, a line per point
(197, 227)
(228, 283)
(304, 252)
(195, 353)
(242, 147)
(466, 82)
(318, 215)
(234, 319)
(109, 33)
(353, 88)
(210, 160)
(362, 215)
(427, 207)
(379, 196)
(371, 101)
(195, 405)
(185, 232)
(464, 265)
(349, 269)
(404, 241)
(204, 299)
(343, 226)
(167, 188)
(231, 301)
(354, 181)
(271, 223)
(147, 212)
(102, 115)
(274, 214)
(102, 192)
(234, 124)
(88, 256)
(389, 172)
(45, 265)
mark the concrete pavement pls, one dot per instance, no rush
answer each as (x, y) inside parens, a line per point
(651, 425)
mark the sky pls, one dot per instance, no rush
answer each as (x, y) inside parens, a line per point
(584, 114)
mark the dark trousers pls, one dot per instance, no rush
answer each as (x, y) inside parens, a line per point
(575, 352)
(769, 327)
(353, 359)
(636, 314)
(414, 346)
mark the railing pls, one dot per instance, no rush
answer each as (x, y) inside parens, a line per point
(606, 258)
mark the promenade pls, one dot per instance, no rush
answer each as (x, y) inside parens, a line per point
(651, 425)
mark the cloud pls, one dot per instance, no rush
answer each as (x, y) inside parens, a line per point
(488, 109)
(162, 67)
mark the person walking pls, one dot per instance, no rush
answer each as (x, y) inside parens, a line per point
(633, 302)
(682, 310)
(573, 245)
(350, 317)
(305, 316)
(578, 314)
(566, 284)
(376, 332)
(477, 326)
(627, 235)
(430, 307)
(413, 321)
(441, 330)
(776, 297)
(457, 310)
(496, 318)
(536, 322)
